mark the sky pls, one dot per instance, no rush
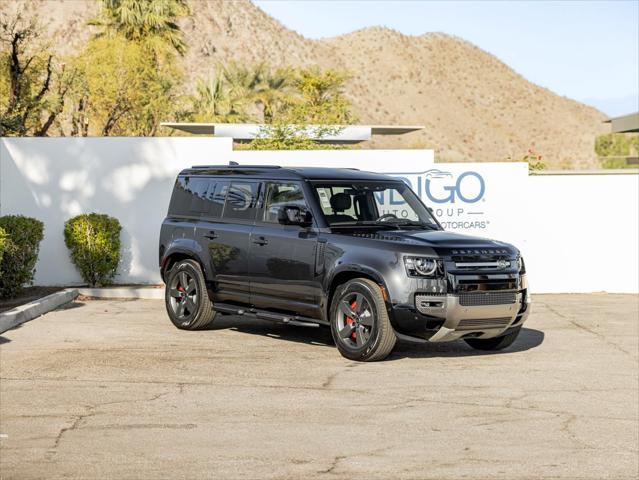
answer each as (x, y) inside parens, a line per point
(584, 50)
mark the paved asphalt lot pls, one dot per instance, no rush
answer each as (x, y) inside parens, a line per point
(110, 389)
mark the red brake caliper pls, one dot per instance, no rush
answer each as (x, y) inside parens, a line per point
(349, 320)
(180, 289)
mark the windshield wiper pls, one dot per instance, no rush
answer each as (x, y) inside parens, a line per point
(362, 223)
(409, 223)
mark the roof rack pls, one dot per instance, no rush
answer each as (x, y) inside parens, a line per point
(235, 165)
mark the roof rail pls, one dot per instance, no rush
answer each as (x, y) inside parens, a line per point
(236, 166)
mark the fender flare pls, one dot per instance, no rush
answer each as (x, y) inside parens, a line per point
(186, 247)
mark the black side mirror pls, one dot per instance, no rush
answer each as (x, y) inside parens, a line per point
(294, 215)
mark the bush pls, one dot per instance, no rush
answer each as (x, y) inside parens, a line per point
(21, 246)
(3, 243)
(94, 244)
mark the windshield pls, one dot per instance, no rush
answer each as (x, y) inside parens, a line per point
(373, 203)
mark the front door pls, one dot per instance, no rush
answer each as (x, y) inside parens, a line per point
(282, 257)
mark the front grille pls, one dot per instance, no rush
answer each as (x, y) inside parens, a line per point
(487, 298)
(483, 323)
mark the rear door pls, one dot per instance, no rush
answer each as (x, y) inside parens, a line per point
(282, 257)
(224, 232)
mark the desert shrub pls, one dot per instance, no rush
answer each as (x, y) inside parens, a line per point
(20, 247)
(93, 241)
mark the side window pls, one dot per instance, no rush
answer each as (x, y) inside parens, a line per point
(332, 206)
(241, 199)
(198, 187)
(215, 196)
(280, 194)
(180, 199)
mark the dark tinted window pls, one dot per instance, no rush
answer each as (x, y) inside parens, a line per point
(198, 196)
(240, 201)
(181, 198)
(198, 188)
(280, 194)
(215, 197)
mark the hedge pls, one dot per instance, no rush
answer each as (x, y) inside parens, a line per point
(93, 241)
(21, 247)
(3, 242)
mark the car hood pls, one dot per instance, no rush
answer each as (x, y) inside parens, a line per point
(439, 239)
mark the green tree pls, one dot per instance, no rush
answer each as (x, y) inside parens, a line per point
(32, 84)
(317, 109)
(122, 92)
(321, 98)
(274, 92)
(240, 93)
(151, 21)
(213, 102)
(283, 136)
(614, 148)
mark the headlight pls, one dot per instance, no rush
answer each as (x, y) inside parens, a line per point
(522, 265)
(423, 267)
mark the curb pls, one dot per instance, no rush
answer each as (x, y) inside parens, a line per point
(124, 293)
(14, 317)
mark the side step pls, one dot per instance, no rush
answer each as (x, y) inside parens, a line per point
(271, 316)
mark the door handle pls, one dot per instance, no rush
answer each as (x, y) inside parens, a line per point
(261, 241)
(211, 235)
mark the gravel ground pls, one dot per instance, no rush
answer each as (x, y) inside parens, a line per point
(110, 389)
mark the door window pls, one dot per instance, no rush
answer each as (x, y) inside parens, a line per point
(198, 188)
(240, 201)
(279, 195)
(215, 197)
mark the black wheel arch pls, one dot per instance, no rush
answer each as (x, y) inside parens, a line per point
(349, 272)
(176, 255)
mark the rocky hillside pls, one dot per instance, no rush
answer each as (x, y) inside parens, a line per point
(474, 107)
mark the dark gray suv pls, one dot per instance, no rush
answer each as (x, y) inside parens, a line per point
(355, 251)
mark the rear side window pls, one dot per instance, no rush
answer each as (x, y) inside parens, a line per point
(181, 198)
(215, 197)
(198, 196)
(241, 201)
(198, 187)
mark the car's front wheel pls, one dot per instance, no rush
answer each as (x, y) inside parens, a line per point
(187, 302)
(360, 324)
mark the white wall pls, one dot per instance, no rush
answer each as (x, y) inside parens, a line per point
(578, 233)
(583, 233)
(54, 179)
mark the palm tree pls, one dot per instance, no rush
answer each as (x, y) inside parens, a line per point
(144, 20)
(275, 92)
(268, 89)
(213, 102)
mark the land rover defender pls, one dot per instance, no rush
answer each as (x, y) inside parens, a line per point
(354, 251)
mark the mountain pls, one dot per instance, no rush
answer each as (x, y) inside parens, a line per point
(474, 107)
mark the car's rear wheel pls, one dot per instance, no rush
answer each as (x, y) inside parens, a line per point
(497, 343)
(360, 324)
(187, 302)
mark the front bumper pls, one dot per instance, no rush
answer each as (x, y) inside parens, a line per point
(443, 317)
(477, 321)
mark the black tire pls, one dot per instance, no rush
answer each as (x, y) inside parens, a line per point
(188, 306)
(376, 335)
(497, 343)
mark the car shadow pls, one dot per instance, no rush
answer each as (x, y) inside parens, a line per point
(316, 336)
(528, 338)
